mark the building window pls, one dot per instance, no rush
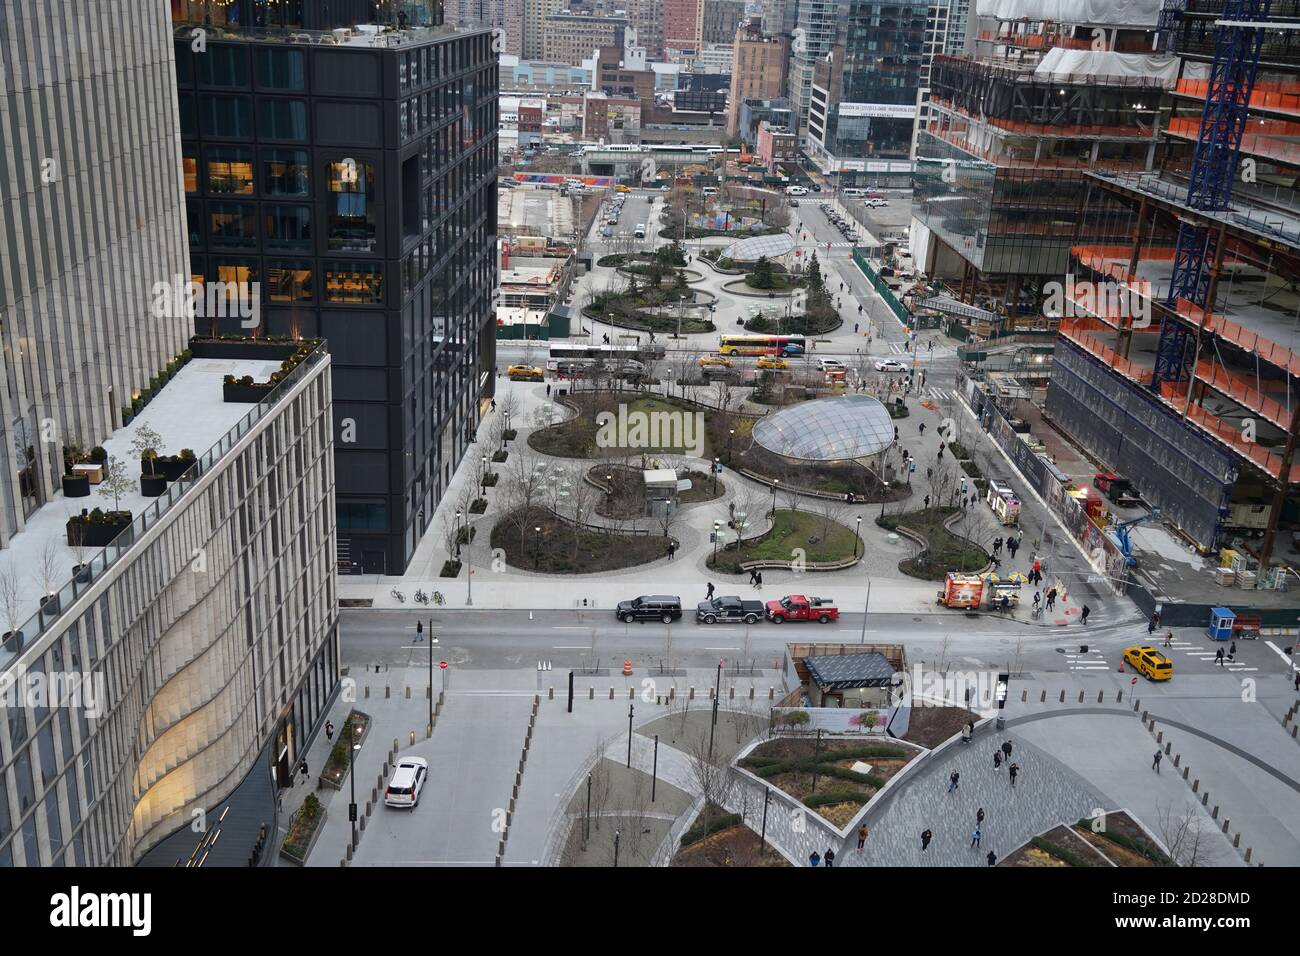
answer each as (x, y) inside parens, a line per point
(224, 65)
(282, 119)
(232, 224)
(280, 69)
(358, 283)
(230, 170)
(351, 188)
(284, 172)
(190, 169)
(194, 222)
(227, 116)
(289, 280)
(288, 227)
(362, 516)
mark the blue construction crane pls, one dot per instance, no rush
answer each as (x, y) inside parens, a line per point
(1120, 532)
(1214, 166)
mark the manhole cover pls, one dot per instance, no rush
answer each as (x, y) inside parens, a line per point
(972, 614)
(917, 620)
(1060, 650)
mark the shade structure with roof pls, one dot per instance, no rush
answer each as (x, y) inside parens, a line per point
(827, 429)
(755, 247)
(849, 680)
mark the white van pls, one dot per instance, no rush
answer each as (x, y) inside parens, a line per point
(710, 190)
(796, 190)
(640, 230)
(855, 192)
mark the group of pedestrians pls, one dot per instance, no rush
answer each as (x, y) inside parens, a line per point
(1000, 756)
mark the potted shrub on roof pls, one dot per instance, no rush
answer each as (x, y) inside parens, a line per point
(47, 575)
(146, 445)
(77, 543)
(74, 485)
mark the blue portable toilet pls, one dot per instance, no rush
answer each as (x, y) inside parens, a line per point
(1221, 621)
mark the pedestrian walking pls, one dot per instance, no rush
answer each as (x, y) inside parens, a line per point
(1051, 598)
(1013, 546)
(329, 731)
(548, 389)
(1232, 651)
(303, 769)
(1297, 681)
(829, 858)
(758, 581)
(1006, 750)
(1014, 769)
(708, 596)
(1155, 761)
(926, 836)
(997, 545)
(967, 731)
(1083, 614)
(493, 406)
(1218, 657)
(753, 574)
(997, 760)
(992, 858)
(815, 859)
(1151, 625)
(922, 428)
(979, 817)
(1169, 638)
(862, 837)
(855, 328)
(954, 780)
(975, 838)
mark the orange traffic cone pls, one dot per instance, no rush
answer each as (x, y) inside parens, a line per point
(627, 668)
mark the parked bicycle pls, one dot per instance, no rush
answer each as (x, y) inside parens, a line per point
(438, 599)
(421, 597)
(401, 598)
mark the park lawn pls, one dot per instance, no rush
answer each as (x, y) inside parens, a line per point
(563, 549)
(946, 551)
(790, 530)
(788, 763)
(577, 437)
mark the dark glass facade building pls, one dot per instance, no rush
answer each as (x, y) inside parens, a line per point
(356, 184)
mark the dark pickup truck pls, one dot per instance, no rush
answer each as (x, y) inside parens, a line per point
(730, 608)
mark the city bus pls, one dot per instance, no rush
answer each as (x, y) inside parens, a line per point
(566, 357)
(762, 345)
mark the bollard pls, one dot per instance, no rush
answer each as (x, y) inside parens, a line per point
(428, 731)
(1205, 799)
(1294, 729)
(1249, 851)
(408, 693)
(361, 828)
(367, 692)
(1144, 713)
(428, 692)
(510, 815)
(550, 693)
(710, 693)
(388, 692)
(374, 794)
(1042, 698)
(1177, 758)
(412, 738)
(1236, 842)
(1215, 814)
(1196, 784)
(591, 693)
(751, 691)
(1062, 700)
(1081, 697)
(1160, 737)
(631, 693)
(1099, 693)
(514, 792)
(1119, 698)
(1168, 747)
(611, 693)
(672, 692)
(1024, 696)
(1226, 821)
(691, 695)
(349, 856)
(732, 695)
(771, 693)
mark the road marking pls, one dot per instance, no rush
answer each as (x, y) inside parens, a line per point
(1282, 654)
(571, 647)
(569, 627)
(722, 648)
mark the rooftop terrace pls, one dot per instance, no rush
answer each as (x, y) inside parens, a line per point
(189, 412)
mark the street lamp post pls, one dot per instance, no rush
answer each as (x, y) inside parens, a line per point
(487, 470)
(882, 500)
(716, 526)
(857, 540)
(716, 462)
(537, 540)
(457, 555)
(352, 772)
(775, 482)
(731, 434)
(609, 480)
(717, 696)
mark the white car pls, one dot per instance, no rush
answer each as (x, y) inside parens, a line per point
(406, 783)
(890, 365)
(830, 365)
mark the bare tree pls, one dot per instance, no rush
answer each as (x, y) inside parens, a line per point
(666, 517)
(11, 595)
(1183, 834)
(523, 494)
(749, 509)
(46, 570)
(710, 773)
(832, 512)
(116, 481)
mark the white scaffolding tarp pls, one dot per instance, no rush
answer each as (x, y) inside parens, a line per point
(1063, 63)
(1111, 13)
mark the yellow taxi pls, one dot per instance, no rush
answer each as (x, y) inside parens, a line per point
(1149, 662)
(525, 373)
(716, 361)
(622, 189)
(771, 361)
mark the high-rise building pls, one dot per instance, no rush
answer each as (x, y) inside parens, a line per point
(758, 69)
(573, 37)
(184, 634)
(816, 33)
(718, 20)
(647, 19)
(780, 16)
(864, 92)
(681, 18)
(533, 40)
(356, 182)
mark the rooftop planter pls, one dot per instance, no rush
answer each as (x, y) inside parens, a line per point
(304, 827)
(168, 467)
(76, 486)
(153, 486)
(247, 347)
(247, 390)
(97, 528)
(355, 728)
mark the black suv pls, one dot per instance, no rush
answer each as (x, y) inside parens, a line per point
(651, 607)
(729, 608)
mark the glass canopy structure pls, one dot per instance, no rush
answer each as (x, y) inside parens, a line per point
(828, 429)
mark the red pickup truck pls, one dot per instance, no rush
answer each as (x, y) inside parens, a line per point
(797, 607)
